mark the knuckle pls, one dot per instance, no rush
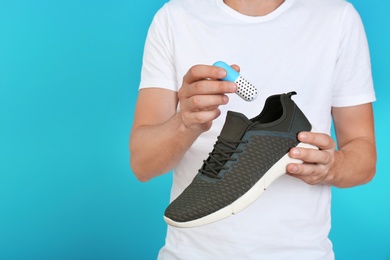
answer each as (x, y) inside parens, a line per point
(324, 157)
(198, 86)
(224, 87)
(328, 158)
(181, 93)
(199, 118)
(329, 142)
(333, 144)
(312, 178)
(313, 173)
(196, 101)
(194, 70)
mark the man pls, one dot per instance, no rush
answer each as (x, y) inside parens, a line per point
(314, 47)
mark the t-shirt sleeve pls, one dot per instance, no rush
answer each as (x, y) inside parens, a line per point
(353, 84)
(158, 70)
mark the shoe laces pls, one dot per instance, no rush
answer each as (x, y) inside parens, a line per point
(222, 153)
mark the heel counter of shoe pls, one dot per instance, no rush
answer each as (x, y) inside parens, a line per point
(299, 121)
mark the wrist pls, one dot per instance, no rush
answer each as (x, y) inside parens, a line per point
(337, 173)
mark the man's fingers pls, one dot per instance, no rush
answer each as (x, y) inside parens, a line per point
(322, 141)
(209, 87)
(200, 117)
(309, 173)
(310, 155)
(204, 102)
(201, 72)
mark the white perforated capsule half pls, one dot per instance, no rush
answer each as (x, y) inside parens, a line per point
(245, 89)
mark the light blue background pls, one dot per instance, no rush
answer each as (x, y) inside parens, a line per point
(69, 73)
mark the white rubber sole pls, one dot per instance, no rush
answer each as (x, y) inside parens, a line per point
(277, 170)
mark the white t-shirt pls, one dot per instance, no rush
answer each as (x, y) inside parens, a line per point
(317, 48)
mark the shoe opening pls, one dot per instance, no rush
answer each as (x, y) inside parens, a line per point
(273, 110)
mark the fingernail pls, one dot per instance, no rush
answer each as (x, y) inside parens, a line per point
(222, 73)
(295, 151)
(302, 136)
(225, 99)
(293, 169)
(233, 87)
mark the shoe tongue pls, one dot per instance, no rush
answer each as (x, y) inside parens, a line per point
(235, 126)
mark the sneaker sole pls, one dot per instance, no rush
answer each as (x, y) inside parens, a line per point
(277, 170)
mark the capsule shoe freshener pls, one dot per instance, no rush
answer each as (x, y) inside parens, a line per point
(245, 89)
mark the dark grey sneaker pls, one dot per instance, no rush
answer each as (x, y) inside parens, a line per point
(247, 157)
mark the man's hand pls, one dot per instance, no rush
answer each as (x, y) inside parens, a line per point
(201, 94)
(318, 164)
(160, 135)
(354, 163)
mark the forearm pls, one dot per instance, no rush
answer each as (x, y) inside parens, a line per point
(355, 164)
(156, 149)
